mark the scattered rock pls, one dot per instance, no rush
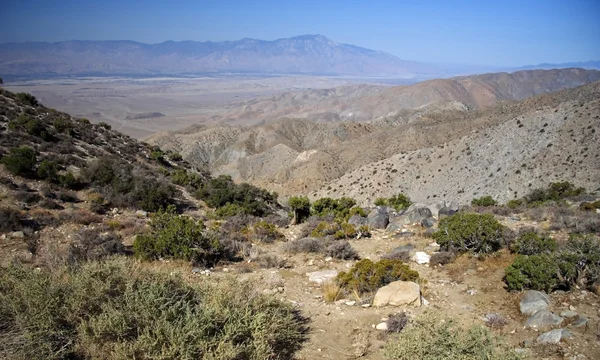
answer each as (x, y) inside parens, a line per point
(328, 259)
(580, 321)
(398, 293)
(533, 301)
(378, 218)
(554, 336)
(404, 234)
(17, 235)
(421, 257)
(445, 212)
(568, 314)
(350, 303)
(382, 326)
(320, 277)
(141, 213)
(543, 318)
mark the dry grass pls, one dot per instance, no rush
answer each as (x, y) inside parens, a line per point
(331, 291)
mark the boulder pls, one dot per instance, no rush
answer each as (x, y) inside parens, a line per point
(533, 301)
(417, 215)
(378, 218)
(394, 227)
(445, 212)
(543, 318)
(427, 223)
(435, 208)
(554, 336)
(320, 277)
(382, 326)
(357, 220)
(568, 314)
(580, 321)
(398, 293)
(421, 257)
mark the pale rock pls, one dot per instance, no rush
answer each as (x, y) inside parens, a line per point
(421, 257)
(320, 277)
(382, 326)
(398, 293)
(554, 336)
(533, 301)
(543, 318)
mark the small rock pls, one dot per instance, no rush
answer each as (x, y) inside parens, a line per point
(404, 234)
(572, 308)
(340, 302)
(17, 235)
(196, 270)
(350, 303)
(366, 305)
(554, 336)
(568, 314)
(543, 318)
(427, 223)
(329, 258)
(533, 301)
(421, 257)
(580, 321)
(141, 213)
(382, 326)
(225, 270)
(320, 277)
(471, 292)
(398, 293)
(424, 301)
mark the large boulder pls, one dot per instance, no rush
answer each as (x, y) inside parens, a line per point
(323, 276)
(533, 301)
(543, 318)
(357, 220)
(379, 218)
(398, 293)
(554, 336)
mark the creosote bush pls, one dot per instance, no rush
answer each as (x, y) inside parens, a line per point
(177, 237)
(464, 232)
(366, 276)
(430, 337)
(116, 310)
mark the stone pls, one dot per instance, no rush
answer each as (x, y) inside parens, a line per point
(568, 314)
(533, 301)
(404, 234)
(398, 293)
(435, 208)
(580, 321)
(394, 227)
(141, 213)
(421, 257)
(382, 326)
(320, 277)
(445, 212)
(328, 259)
(427, 223)
(357, 220)
(407, 247)
(17, 235)
(417, 215)
(378, 218)
(543, 318)
(554, 336)
(350, 303)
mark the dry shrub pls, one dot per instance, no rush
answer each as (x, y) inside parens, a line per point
(495, 321)
(80, 216)
(341, 249)
(268, 261)
(331, 291)
(442, 258)
(305, 245)
(402, 255)
(397, 322)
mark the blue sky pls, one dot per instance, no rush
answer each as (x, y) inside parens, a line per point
(504, 33)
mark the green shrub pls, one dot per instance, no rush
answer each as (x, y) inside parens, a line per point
(186, 178)
(48, 170)
(356, 211)
(513, 204)
(347, 231)
(175, 156)
(27, 99)
(484, 201)
(325, 228)
(479, 233)
(300, 206)
(339, 208)
(68, 180)
(398, 202)
(536, 272)
(579, 261)
(531, 243)
(590, 206)
(429, 337)
(366, 276)
(266, 233)
(63, 125)
(10, 220)
(555, 192)
(115, 310)
(177, 237)
(20, 161)
(104, 125)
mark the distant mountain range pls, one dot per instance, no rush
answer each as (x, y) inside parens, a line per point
(306, 54)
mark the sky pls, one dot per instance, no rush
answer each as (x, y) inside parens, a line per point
(493, 33)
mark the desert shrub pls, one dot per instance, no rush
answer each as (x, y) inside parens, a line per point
(478, 233)
(269, 261)
(304, 245)
(484, 201)
(363, 231)
(590, 206)
(50, 204)
(536, 272)
(325, 229)
(237, 223)
(63, 125)
(97, 203)
(281, 221)
(397, 322)
(396, 254)
(398, 202)
(300, 206)
(266, 233)
(357, 210)
(186, 178)
(367, 276)
(68, 181)
(331, 291)
(80, 217)
(10, 219)
(341, 250)
(347, 231)
(515, 203)
(495, 321)
(20, 161)
(554, 192)
(27, 197)
(429, 337)
(442, 258)
(175, 156)
(251, 200)
(339, 208)
(579, 261)
(115, 310)
(229, 210)
(94, 244)
(48, 170)
(531, 243)
(26, 99)
(177, 237)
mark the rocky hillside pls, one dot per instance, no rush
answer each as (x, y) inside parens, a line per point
(365, 103)
(427, 151)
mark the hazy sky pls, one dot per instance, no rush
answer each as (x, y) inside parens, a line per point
(505, 33)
